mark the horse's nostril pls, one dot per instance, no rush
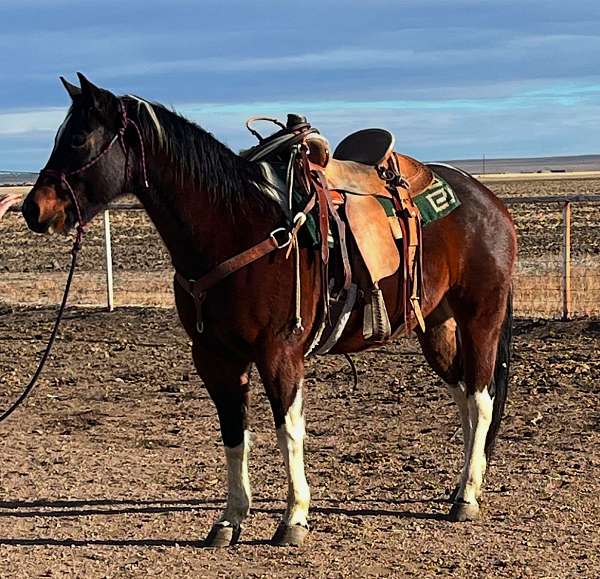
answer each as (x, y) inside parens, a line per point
(31, 213)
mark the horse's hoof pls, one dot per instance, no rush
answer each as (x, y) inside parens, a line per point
(222, 536)
(461, 512)
(289, 535)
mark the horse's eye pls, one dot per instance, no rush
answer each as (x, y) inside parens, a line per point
(78, 140)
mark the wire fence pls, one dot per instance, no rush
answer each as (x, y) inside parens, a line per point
(558, 269)
(124, 263)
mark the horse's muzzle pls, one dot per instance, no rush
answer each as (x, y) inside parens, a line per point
(45, 212)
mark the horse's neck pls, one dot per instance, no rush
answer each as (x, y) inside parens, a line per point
(198, 232)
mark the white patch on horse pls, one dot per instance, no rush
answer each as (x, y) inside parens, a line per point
(152, 113)
(480, 407)
(62, 128)
(239, 496)
(290, 437)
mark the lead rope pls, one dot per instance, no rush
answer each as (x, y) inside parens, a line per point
(62, 177)
(36, 375)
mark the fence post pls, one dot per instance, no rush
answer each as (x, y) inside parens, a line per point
(566, 286)
(109, 263)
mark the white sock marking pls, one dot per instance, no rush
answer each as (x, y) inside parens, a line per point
(459, 395)
(290, 437)
(239, 495)
(480, 412)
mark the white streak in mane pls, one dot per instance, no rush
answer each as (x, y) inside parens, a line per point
(61, 129)
(150, 110)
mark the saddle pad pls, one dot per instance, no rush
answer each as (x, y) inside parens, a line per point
(368, 223)
(435, 202)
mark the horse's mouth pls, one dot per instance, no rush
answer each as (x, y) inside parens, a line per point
(61, 223)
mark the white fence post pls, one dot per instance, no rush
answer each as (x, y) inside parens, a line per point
(566, 285)
(109, 263)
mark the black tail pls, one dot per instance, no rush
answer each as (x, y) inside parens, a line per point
(499, 387)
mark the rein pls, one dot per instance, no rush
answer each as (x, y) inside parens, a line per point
(62, 178)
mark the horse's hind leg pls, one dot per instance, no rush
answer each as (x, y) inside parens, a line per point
(282, 371)
(482, 322)
(441, 348)
(226, 380)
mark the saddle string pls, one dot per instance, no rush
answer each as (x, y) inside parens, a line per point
(298, 325)
(62, 178)
(353, 370)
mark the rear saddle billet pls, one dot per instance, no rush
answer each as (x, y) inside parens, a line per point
(363, 167)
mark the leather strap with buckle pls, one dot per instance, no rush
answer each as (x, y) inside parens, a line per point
(198, 288)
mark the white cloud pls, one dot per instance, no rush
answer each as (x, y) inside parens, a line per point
(39, 120)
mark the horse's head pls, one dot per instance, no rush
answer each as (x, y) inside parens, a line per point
(88, 165)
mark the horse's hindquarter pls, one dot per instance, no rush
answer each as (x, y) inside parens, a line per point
(475, 244)
(478, 238)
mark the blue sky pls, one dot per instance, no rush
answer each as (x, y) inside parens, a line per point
(451, 79)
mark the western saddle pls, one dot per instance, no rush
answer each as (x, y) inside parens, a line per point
(347, 188)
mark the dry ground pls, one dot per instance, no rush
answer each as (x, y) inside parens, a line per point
(114, 468)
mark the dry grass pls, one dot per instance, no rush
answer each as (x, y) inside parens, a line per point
(88, 289)
(20, 190)
(494, 177)
(537, 294)
(541, 294)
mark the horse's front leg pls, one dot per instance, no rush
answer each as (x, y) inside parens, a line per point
(226, 380)
(282, 371)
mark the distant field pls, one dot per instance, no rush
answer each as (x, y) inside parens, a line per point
(584, 166)
(32, 268)
(570, 164)
(497, 177)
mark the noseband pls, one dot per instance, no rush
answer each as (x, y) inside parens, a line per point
(62, 177)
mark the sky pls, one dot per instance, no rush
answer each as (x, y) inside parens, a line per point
(452, 80)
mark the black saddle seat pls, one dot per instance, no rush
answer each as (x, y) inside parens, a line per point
(368, 146)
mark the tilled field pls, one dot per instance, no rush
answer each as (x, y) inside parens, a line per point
(32, 267)
(114, 468)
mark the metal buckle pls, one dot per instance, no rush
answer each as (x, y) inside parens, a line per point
(281, 245)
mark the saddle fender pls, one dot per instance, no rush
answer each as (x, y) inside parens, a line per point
(370, 227)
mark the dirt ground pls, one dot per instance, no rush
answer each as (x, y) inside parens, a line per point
(114, 468)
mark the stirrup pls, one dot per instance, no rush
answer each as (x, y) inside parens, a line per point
(376, 325)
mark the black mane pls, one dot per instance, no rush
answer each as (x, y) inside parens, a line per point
(196, 155)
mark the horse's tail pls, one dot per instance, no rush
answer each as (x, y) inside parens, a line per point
(499, 387)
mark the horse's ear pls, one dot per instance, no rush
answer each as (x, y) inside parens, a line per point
(88, 90)
(72, 89)
(98, 98)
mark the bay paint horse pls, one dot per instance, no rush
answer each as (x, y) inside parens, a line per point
(208, 204)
